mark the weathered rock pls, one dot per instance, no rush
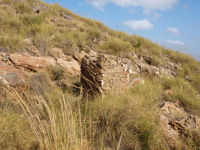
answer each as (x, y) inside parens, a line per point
(134, 69)
(67, 17)
(57, 52)
(148, 69)
(80, 55)
(103, 73)
(166, 72)
(4, 57)
(177, 123)
(11, 76)
(143, 67)
(33, 51)
(154, 70)
(71, 67)
(31, 62)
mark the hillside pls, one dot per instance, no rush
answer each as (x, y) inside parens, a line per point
(69, 82)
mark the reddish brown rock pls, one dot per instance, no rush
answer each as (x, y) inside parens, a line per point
(31, 62)
(71, 67)
(103, 73)
(11, 76)
(79, 56)
(58, 53)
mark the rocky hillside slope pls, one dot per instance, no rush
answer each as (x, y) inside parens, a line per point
(68, 82)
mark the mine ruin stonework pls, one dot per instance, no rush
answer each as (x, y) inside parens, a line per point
(103, 73)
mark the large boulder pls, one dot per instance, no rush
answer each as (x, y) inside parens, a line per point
(31, 62)
(71, 66)
(103, 73)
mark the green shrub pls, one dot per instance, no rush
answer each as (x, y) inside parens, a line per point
(30, 19)
(183, 92)
(94, 31)
(22, 7)
(196, 82)
(129, 120)
(116, 46)
(15, 132)
(11, 44)
(57, 72)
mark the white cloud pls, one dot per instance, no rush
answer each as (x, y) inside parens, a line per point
(175, 42)
(139, 24)
(147, 4)
(151, 14)
(172, 30)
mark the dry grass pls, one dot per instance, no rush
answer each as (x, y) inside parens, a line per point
(127, 121)
(52, 121)
(14, 128)
(183, 92)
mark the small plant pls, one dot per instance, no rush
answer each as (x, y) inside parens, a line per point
(57, 72)
(137, 45)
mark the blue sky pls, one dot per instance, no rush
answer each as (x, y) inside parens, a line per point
(171, 23)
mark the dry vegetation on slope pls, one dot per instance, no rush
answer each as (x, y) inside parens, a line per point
(56, 118)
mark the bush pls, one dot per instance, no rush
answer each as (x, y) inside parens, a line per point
(196, 82)
(116, 46)
(30, 19)
(15, 132)
(127, 121)
(57, 72)
(22, 7)
(94, 31)
(183, 92)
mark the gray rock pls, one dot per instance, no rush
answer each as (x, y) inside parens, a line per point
(67, 17)
(10, 78)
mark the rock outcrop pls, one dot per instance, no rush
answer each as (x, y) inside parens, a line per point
(103, 73)
(32, 62)
(176, 123)
(70, 65)
(100, 73)
(15, 68)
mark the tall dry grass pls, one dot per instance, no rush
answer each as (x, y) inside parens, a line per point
(54, 125)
